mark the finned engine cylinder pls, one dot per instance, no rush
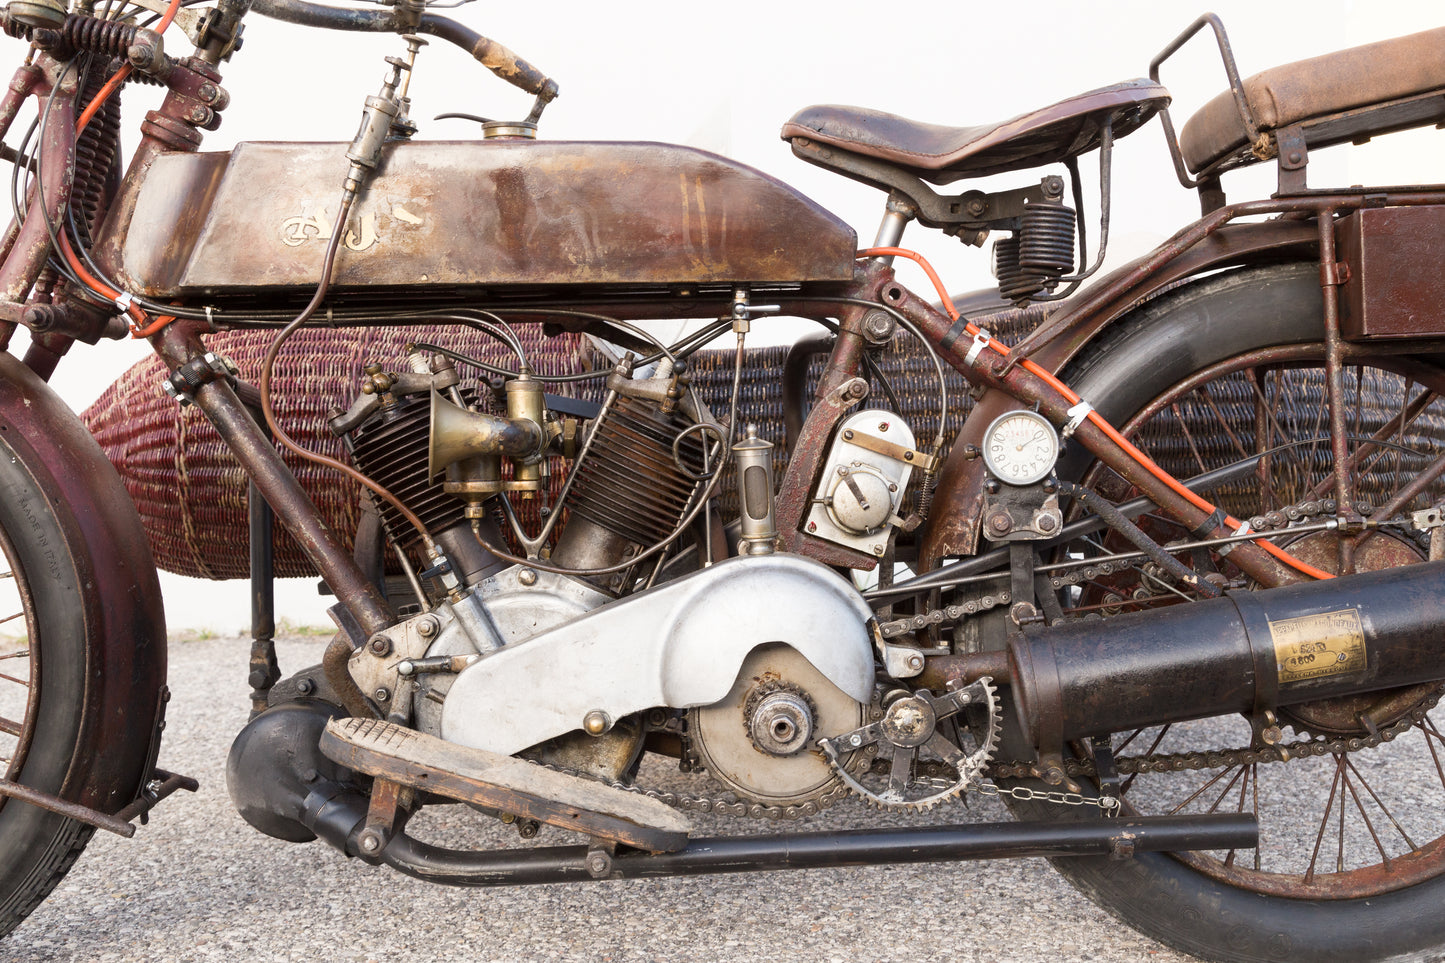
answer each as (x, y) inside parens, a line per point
(392, 450)
(630, 493)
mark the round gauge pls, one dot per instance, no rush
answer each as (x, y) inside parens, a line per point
(1020, 447)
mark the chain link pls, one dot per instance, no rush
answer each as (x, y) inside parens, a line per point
(1109, 804)
(1270, 521)
(728, 805)
(1226, 758)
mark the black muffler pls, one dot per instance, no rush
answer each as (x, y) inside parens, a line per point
(1246, 652)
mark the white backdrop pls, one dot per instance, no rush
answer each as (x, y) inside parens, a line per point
(725, 76)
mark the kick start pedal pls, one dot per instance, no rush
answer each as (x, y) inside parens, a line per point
(504, 783)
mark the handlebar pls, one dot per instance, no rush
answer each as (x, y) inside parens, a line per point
(490, 54)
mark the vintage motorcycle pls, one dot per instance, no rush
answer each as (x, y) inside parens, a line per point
(1170, 588)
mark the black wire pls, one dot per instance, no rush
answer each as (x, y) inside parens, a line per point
(912, 329)
(875, 370)
(680, 349)
(23, 161)
(58, 264)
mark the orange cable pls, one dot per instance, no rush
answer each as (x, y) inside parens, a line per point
(111, 86)
(1098, 420)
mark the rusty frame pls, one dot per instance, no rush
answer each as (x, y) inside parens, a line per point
(1211, 242)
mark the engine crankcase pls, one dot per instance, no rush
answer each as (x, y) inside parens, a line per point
(516, 604)
(679, 645)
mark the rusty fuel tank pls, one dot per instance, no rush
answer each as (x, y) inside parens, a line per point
(469, 215)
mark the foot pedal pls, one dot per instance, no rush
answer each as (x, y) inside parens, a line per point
(505, 783)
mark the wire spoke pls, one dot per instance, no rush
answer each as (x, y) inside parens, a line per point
(1124, 787)
(1183, 424)
(1249, 774)
(1369, 825)
(1325, 820)
(1360, 778)
(1201, 790)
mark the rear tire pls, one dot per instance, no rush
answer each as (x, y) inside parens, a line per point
(1294, 905)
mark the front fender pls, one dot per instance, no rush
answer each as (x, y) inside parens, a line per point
(678, 645)
(125, 678)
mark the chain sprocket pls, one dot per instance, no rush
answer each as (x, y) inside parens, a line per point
(911, 724)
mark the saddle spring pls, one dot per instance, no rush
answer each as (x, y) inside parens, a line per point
(1038, 254)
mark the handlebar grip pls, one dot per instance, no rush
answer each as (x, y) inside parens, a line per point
(494, 56)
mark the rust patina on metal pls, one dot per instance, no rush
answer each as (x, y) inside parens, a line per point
(472, 215)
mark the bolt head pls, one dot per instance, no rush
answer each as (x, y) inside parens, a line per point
(527, 576)
(596, 722)
(370, 842)
(382, 695)
(379, 645)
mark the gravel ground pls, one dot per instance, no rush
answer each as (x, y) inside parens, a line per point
(198, 884)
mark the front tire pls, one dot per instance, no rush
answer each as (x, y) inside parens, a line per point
(82, 634)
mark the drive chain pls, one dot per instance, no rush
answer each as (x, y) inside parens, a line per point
(1270, 521)
(726, 805)
(1226, 758)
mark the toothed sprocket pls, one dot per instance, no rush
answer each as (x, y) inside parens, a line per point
(911, 740)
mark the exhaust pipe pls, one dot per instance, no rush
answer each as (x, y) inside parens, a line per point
(1247, 652)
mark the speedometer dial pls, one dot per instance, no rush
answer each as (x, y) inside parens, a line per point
(1020, 447)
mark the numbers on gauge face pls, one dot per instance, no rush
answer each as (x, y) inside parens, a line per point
(1020, 447)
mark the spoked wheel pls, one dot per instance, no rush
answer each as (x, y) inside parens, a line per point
(1351, 862)
(82, 662)
(42, 679)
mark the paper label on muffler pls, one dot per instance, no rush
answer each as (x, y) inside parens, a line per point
(1315, 646)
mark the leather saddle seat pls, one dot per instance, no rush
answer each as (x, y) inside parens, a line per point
(941, 155)
(1350, 95)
